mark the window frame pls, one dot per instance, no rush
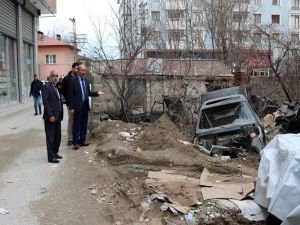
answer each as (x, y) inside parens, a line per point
(273, 18)
(256, 16)
(51, 59)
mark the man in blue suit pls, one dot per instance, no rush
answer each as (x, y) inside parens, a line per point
(79, 93)
(53, 115)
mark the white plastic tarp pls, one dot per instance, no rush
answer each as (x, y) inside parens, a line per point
(278, 182)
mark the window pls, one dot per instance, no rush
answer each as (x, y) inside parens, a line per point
(175, 14)
(257, 2)
(198, 38)
(275, 2)
(197, 18)
(257, 18)
(155, 15)
(50, 59)
(296, 21)
(295, 37)
(197, 4)
(276, 36)
(260, 72)
(275, 19)
(295, 5)
(257, 37)
(156, 36)
(175, 35)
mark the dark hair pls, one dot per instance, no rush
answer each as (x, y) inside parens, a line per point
(35, 75)
(75, 64)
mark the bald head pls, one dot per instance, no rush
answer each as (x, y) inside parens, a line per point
(82, 70)
(53, 76)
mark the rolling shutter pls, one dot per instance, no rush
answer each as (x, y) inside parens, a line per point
(27, 28)
(8, 18)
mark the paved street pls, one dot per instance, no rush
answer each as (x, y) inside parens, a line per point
(24, 171)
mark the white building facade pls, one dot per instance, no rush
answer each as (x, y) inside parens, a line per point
(187, 24)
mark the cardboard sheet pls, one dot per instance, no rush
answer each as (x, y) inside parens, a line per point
(181, 190)
(225, 186)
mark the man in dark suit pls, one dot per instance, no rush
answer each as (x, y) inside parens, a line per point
(53, 115)
(66, 83)
(79, 93)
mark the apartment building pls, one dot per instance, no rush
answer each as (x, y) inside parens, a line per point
(18, 46)
(190, 24)
(283, 15)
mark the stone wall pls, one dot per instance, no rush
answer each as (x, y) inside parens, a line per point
(155, 88)
(270, 87)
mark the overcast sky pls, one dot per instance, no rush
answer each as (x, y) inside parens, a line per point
(83, 11)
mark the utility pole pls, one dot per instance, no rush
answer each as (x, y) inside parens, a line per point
(74, 41)
(78, 39)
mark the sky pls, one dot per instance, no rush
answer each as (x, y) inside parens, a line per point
(85, 12)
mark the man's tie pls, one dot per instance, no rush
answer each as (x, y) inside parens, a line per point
(84, 89)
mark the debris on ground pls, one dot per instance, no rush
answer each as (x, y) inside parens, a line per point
(3, 211)
(285, 120)
(278, 182)
(225, 186)
(159, 175)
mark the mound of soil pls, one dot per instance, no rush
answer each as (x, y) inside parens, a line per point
(162, 134)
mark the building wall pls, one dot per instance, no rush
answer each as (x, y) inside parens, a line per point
(155, 88)
(64, 58)
(17, 50)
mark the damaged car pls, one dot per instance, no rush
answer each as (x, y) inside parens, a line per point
(227, 124)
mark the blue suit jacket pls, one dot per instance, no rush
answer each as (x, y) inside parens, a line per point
(52, 103)
(75, 93)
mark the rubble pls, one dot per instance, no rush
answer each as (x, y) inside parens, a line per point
(169, 169)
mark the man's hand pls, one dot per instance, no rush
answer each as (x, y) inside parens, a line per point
(52, 119)
(101, 93)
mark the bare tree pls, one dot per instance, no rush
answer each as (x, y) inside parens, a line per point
(283, 57)
(124, 77)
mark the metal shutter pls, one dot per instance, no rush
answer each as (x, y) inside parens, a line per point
(27, 28)
(8, 17)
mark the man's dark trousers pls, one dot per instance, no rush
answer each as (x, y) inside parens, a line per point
(80, 123)
(53, 138)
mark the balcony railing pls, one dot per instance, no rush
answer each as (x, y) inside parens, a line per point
(295, 7)
(296, 26)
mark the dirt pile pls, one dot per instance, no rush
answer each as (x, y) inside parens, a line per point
(132, 150)
(162, 134)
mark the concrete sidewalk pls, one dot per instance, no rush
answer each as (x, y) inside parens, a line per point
(15, 108)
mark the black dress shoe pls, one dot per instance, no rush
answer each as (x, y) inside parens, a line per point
(85, 144)
(57, 156)
(53, 161)
(35, 114)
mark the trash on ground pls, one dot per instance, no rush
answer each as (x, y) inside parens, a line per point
(182, 191)
(251, 210)
(184, 142)
(3, 211)
(225, 186)
(278, 182)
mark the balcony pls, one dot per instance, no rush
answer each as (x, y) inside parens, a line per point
(45, 6)
(178, 5)
(172, 24)
(296, 27)
(295, 8)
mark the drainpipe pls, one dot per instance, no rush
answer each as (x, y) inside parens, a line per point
(20, 53)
